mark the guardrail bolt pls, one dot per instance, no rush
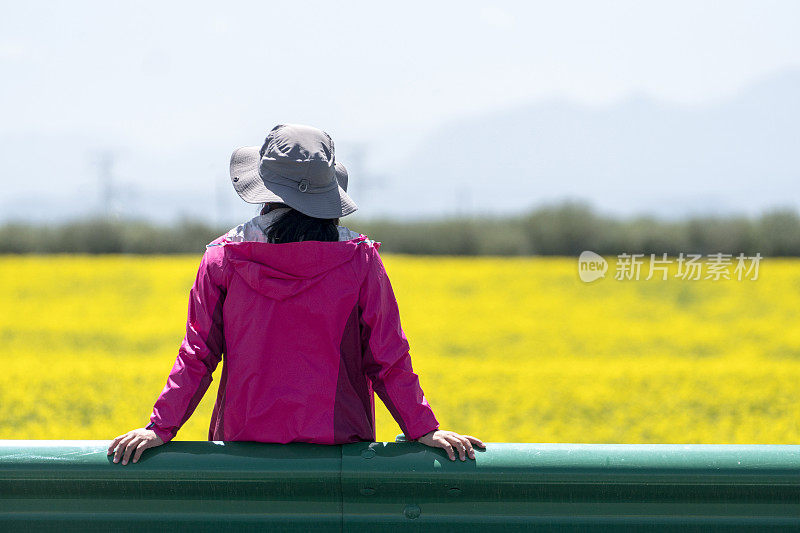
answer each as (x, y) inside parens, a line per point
(412, 511)
(369, 453)
(454, 491)
(367, 491)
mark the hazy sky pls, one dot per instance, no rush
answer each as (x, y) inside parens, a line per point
(164, 75)
(194, 69)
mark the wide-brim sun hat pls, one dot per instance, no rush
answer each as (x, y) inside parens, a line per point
(296, 166)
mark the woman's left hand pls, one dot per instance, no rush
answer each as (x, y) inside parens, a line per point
(135, 441)
(450, 440)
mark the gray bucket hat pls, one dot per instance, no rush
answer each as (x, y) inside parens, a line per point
(296, 166)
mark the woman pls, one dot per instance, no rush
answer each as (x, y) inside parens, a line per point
(302, 310)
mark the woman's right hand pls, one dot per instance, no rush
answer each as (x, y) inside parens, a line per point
(449, 440)
(133, 442)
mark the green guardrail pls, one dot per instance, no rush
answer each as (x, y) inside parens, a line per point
(248, 486)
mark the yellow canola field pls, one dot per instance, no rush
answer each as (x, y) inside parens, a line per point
(508, 349)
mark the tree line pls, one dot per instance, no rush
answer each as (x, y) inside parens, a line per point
(558, 229)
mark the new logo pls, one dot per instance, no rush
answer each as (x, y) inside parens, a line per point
(591, 266)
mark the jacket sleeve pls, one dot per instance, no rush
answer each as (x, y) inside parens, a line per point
(199, 352)
(387, 362)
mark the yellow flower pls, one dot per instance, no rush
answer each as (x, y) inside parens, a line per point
(534, 354)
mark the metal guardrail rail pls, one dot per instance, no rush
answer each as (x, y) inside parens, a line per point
(365, 487)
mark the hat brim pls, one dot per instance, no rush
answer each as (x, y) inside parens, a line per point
(253, 189)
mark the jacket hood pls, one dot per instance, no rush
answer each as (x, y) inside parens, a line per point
(280, 271)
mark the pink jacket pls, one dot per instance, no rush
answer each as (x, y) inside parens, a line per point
(308, 330)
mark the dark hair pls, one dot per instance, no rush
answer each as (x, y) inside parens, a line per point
(294, 226)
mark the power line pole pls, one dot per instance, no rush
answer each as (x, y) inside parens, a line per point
(105, 176)
(362, 184)
(220, 203)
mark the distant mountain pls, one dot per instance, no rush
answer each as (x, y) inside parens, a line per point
(639, 155)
